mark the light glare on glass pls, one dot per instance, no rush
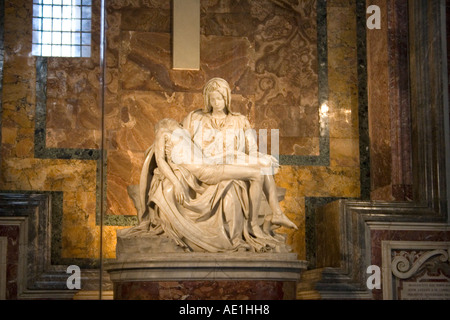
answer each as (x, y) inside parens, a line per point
(62, 28)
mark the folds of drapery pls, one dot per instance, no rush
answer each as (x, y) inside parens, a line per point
(214, 218)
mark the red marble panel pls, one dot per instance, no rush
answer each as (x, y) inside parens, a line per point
(389, 105)
(204, 290)
(12, 259)
(399, 100)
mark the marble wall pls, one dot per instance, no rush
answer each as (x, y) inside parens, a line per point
(414, 235)
(406, 216)
(205, 290)
(10, 263)
(292, 65)
(390, 114)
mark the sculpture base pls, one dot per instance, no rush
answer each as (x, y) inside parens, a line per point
(205, 290)
(194, 276)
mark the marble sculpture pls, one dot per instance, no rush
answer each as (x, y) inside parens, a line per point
(203, 183)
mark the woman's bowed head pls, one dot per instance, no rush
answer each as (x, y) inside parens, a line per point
(217, 97)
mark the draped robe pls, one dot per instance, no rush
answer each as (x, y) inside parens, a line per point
(215, 217)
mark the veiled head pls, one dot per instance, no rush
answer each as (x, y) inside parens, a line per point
(217, 85)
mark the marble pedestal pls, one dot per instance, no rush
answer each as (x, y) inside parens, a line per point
(203, 276)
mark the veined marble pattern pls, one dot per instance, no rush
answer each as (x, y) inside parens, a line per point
(9, 241)
(3, 266)
(268, 51)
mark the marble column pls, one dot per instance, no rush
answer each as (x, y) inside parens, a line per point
(389, 107)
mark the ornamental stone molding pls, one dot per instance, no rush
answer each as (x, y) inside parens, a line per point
(404, 259)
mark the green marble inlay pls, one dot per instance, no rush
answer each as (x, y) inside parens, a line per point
(311, 203)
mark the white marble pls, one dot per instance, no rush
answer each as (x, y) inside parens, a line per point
(208, 266)
(204, 181)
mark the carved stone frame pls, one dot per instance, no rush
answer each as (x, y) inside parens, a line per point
(433, 248)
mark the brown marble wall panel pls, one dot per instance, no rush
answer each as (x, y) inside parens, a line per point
(228, 50)
(399, 100)
(146, 19)
(18, 88)
(389, 106)
(113, 40)
(131, 126)
(123, 4)
(342, 101)
(226, 6)
(17, 142)
(230, 56)
(342, 81)
(204, 290)
(80, 232)
(319, 181)
(73, 96)
(146, 63)
(12, 233)
(244, 104)
(328, 229)
(286, 70)
(379, 111)
(302, 146)
(235, 24)
(58, 175)
(123, 171)
(294, 208)
(342, 105)
(77, 179)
